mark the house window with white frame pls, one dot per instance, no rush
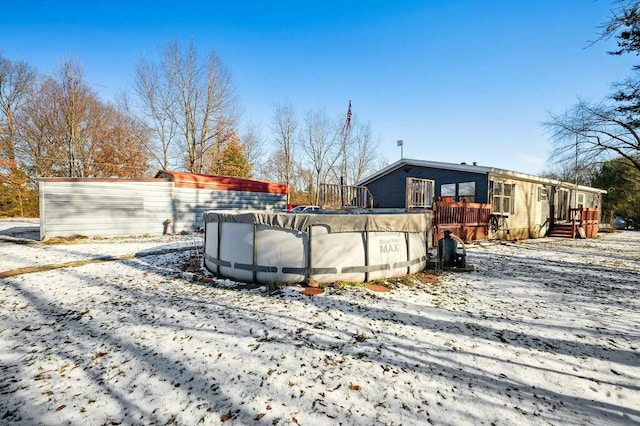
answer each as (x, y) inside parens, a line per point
(543, 193)
(580, 200)
(502, 200)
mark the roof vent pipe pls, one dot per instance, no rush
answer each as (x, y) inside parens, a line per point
(475, 163)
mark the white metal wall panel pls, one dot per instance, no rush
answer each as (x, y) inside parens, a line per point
(121, 207)
(102, 208)
(190, 203)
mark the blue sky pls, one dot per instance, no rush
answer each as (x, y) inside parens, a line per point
(457, 80)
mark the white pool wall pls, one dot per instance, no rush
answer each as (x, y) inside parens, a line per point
(289, 248)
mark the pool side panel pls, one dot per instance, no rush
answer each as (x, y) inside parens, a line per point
(330, 249)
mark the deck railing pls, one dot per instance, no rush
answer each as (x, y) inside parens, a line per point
(469, 221)
(587, 219)
(420, 193)
(334, 196)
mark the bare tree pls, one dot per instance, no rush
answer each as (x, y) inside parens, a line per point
(56, 122)
(593, 134)
(320, 142)
(304, 191)
(193, 98)
(610, 129)
(156, 101)
(119, 147)
(582, 173)
(41, 146)
(65, 130)
(17, 80)
(362, 152)
(253, 146)
(271, 167)
(79, 106)
(284, 127)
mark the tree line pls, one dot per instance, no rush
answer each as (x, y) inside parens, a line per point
(181, 113)
(598, 142)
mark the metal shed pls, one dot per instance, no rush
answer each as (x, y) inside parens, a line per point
(107, 207)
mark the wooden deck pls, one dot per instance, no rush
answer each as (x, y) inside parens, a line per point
(468, 221)
(584, 223)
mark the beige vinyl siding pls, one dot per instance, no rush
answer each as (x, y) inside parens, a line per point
(528, 216)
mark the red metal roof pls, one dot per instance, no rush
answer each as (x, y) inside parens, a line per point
(222, 183)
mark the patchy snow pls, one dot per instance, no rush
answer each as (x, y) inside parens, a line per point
(543, 332)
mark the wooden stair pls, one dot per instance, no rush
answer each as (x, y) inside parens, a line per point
(561, 230)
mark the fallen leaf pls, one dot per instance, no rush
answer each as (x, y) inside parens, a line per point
(355, 387)
(225, 417)
(376, 287)
(312, 283)
(98, 355)
(48, 393)
(60, 407)
(311, 291)
(260, 415)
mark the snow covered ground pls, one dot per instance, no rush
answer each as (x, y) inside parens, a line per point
(544, 332)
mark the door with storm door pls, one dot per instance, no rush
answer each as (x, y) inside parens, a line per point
(562, 205)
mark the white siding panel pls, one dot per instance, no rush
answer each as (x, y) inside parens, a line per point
(102, 208)
(190, 203)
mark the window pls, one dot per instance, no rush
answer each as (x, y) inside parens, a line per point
(543, 193)
(448, 190)
(502, 200)
(467, 192)
(580, 200)
(464, 191)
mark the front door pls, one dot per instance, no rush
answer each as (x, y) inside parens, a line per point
(561, 204)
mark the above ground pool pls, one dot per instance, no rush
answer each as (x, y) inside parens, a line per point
(269, 247)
